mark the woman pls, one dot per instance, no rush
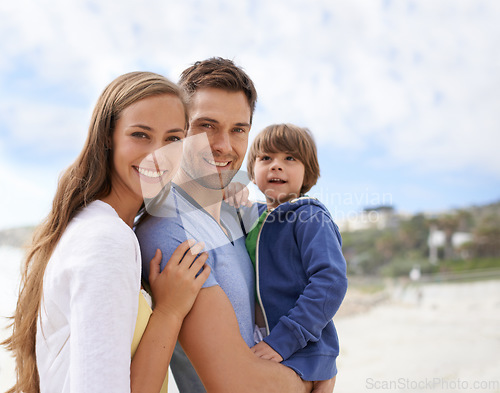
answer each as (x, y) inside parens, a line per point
(78, 303)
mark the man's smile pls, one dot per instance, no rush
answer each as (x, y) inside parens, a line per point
(219, 164)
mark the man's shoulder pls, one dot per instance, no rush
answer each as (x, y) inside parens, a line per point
(160, 216)
(153, 223)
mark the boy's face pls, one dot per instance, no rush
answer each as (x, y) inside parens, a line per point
(279, 176)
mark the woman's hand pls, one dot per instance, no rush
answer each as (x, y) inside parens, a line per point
(176, 287)
(174, 291)
(236, 195)
(264, 351)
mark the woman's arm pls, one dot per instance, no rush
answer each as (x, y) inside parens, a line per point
(211, 338)
(174, 290)
(102, 274)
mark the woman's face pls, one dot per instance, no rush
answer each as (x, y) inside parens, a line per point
(146, 147)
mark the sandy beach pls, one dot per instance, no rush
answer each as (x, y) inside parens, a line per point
(9, 280)
(408, 338)
(434, 337)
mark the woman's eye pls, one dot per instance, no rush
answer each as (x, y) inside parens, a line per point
(173, 138)
(140, 135)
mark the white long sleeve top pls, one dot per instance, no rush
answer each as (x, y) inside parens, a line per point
(89, 305)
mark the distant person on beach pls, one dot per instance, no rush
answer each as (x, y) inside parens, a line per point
(81, 314)
(296, 250)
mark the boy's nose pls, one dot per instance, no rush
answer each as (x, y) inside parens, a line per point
(276, 166)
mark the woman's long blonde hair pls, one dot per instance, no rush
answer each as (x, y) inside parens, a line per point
(87, 179)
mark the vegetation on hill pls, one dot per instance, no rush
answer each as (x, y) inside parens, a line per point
(16, 237)
(396, 250)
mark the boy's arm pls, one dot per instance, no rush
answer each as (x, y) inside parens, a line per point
(320, 247)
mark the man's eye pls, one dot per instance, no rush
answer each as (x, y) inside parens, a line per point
(239, 130)
(207, 125)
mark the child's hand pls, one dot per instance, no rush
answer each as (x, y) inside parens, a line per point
(176, 287)
(236, 194)
(324, 386)
(264, 351)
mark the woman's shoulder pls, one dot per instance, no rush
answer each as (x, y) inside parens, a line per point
(103, 216)
(99, 224)
(96, 240)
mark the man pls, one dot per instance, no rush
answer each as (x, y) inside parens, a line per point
(217, 333)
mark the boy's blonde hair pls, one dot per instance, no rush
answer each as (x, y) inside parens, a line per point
(291, 139)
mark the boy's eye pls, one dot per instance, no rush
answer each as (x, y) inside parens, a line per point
(265, 158)
(290, 158)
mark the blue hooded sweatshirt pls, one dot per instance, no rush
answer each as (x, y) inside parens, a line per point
(301, 282)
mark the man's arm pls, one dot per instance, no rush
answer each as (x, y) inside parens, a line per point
(210, 337)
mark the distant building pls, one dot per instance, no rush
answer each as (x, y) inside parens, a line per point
(437, 240)
(378, 217)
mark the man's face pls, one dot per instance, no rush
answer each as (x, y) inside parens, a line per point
(224, 117)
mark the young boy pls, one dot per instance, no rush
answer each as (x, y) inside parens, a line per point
(296, 249)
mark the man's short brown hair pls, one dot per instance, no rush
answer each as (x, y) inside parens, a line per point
(291, 139)
(219, 73)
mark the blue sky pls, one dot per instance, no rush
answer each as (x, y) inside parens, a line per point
(403, 97)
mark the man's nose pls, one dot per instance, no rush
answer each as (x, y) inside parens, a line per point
(221, 142)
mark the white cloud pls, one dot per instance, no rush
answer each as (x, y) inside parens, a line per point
(26, 193)
(49, 128)
(418, 81)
